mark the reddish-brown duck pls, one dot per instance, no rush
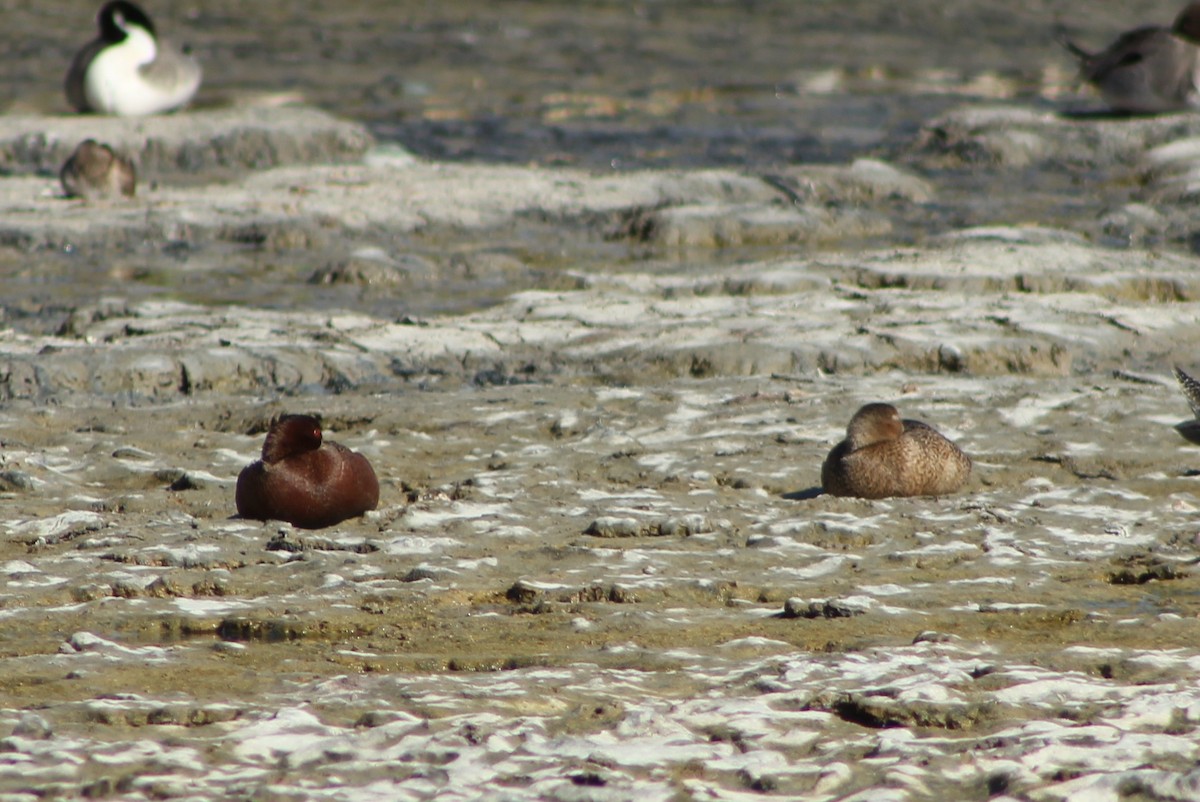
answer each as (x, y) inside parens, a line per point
(305, 481)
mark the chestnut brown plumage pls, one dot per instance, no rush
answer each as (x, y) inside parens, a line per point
(304, 480)
(885, 456)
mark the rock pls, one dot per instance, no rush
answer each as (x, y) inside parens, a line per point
(880, 711)
(422, 572)
(1146, 570)
(197, 480)
(11, 480)
(1171, 173)
(486, 265)
(1014, 137)
(55, 529)
(379, 718)
(90, 592)
(210, 586)
(685, 525)
(526, 591)
(164, 587)
(724, 226)
(827, 608)
(132, 453)
(864, 182)
(127, 589)
(292, 543)
(31, 725)
(373, 267)
(85, 642)
(610, 526)
(1134, 223)
(219, 143)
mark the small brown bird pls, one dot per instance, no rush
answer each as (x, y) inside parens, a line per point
(1189, 429)
(96, 171)
(304, 481)
(885, 456)
(1149, 70)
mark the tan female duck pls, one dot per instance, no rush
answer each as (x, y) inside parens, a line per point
(884, 456)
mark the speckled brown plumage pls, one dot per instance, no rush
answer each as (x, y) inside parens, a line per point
(305, 481)
(885, 456)
(1189, 429)
(95, 170)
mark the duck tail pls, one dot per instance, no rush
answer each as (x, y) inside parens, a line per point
(1063, 38)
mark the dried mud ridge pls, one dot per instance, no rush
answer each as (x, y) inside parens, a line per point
(985, 301)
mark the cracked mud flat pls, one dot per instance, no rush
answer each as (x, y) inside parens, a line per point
(575, 590)
(601, 567)
(597, 404)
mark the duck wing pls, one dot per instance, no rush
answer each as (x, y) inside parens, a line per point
(172, 71)
(1130, 48)
(77, 75)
